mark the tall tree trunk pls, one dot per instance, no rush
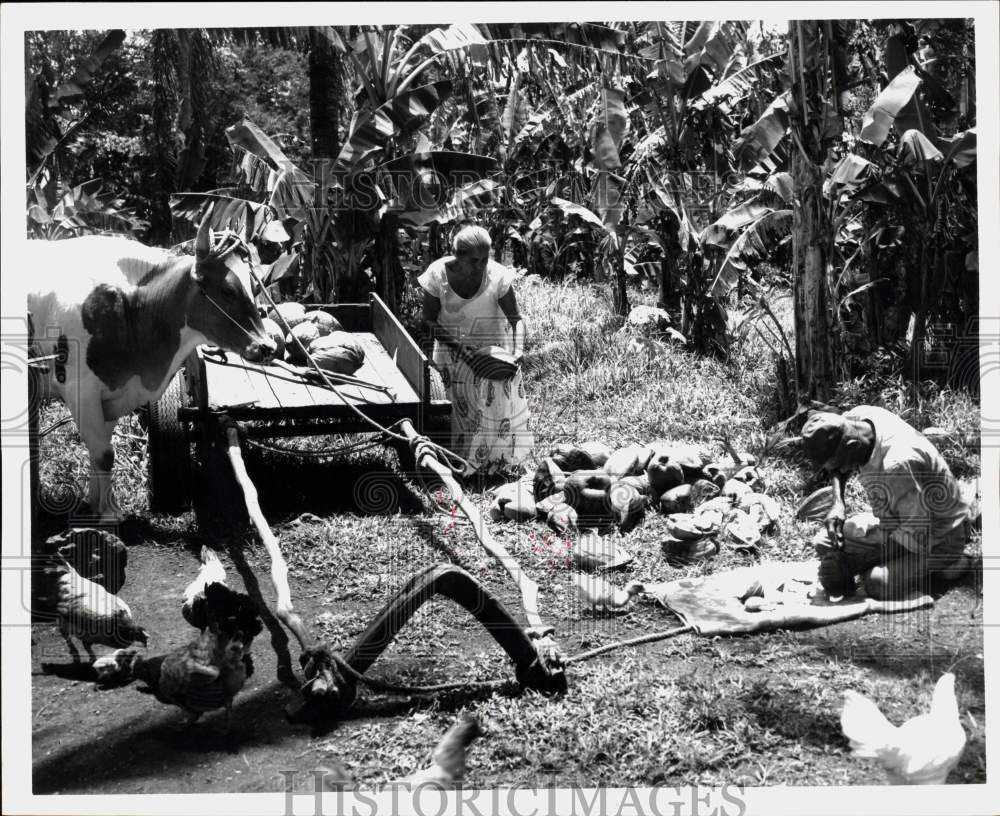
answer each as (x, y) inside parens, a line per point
(813, 65)
(326, 90)
(816, 350)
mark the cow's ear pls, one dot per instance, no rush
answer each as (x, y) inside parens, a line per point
(203, 243)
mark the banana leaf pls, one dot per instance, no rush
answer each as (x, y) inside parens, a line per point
(608, 128)
(401, 114)
(478, 194)
(723, 232)
(73, 89)
(880, 117)
(246, 218)
(758, 141)
(916, 147)
(755, 244)
(570, 208)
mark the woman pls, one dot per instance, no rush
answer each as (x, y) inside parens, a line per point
(469, 304)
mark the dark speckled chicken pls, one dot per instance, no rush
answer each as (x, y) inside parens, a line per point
(207, 673)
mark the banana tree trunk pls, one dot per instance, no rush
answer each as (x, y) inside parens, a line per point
(813, 69)
(816, 349)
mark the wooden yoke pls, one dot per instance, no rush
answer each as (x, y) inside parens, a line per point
(539, 632)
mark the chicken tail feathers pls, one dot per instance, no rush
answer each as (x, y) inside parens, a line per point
(865, 726)
(944, 704)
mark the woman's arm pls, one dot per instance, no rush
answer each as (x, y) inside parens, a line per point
(508, 303)
(432, 330)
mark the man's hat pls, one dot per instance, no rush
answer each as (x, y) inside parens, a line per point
(822, 435)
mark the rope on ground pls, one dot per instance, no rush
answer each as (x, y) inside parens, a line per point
(650, 638)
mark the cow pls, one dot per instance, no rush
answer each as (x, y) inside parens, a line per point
(121, 318)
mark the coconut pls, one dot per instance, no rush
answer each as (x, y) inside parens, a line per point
(571, 457)
(598, 452)
(288, 315)
(676, 500)
(702, 491)
(338, 352)
(549, 478)
(663, 472)
(628, 461)
(736, 488)
(628, 505)
(324, 321)
(680, 552)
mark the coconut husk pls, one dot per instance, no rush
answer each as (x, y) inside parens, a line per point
(596, 553)
(677, 500)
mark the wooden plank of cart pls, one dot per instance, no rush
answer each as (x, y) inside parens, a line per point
(272, 401)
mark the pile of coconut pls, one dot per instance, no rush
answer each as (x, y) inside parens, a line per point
(708, 504)
(298, 330)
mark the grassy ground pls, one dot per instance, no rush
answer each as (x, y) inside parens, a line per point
(759, 710)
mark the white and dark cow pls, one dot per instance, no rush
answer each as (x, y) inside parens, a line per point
(122, 317)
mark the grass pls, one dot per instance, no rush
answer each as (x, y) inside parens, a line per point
(761, 710)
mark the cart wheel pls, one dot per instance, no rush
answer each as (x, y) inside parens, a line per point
(169, 452)
(438, 427)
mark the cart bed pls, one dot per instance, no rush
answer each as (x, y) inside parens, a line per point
(234, 382)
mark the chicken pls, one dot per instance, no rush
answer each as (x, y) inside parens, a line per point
(921, 751)
(87, 611)
(600, 596)
(447, 766)
(207, 673)
(212, 572)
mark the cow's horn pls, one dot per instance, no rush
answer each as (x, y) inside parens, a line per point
(203, 243)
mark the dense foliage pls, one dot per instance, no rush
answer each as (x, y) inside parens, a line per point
(682, 159)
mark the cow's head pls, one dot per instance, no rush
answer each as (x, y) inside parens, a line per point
(223, 308)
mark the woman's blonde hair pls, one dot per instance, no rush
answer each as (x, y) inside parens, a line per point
(469, 239)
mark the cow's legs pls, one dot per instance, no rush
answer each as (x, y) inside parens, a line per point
(96, 435)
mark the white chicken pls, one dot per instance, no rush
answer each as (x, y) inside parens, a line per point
(597, 594)
(921, 751)
(212, 572)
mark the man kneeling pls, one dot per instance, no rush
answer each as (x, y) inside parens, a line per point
(919, 524)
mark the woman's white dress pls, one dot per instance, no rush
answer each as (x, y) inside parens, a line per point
(489, 420)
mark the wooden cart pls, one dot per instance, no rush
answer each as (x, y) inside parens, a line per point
(269, 401)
